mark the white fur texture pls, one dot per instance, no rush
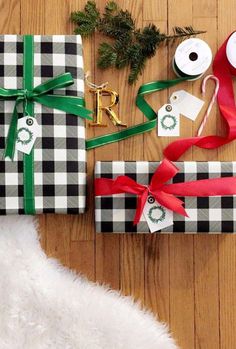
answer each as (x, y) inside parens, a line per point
(46, 306)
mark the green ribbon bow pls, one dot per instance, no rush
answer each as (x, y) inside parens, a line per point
(40, 94)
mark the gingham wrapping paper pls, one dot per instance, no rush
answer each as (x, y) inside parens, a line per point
(217, 214)
(59, 151)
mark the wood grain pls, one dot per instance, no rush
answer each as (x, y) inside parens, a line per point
(10, 17)
(108, 260)
(157, 276)
(188, 281)
(132, 266)
(82, 258)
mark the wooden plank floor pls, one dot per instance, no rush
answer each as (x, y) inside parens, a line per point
(188, 281)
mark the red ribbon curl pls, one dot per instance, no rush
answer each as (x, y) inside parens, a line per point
(165, 193)
(224, 71)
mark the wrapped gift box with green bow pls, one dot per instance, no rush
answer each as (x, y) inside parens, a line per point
(42, 109)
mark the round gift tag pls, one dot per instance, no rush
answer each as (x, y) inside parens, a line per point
(231, 49)
(192, 58)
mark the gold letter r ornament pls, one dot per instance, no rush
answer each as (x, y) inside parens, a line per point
(99, 108)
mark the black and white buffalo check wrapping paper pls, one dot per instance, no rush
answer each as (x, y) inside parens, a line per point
(216, 214)
(59, 151)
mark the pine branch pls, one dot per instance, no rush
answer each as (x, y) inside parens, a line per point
(136, 68)
(119, 23)
(149, 38)
(110, 8)
(107, 56)
(87, 20)
(131, 46)
(185, 32)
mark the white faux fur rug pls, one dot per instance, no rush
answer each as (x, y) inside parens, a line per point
(43, 305)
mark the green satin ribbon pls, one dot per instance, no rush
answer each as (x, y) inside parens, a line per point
(40, 94)
(146, 109)
(28, 159)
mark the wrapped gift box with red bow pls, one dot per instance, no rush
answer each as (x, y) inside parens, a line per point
(141, 196)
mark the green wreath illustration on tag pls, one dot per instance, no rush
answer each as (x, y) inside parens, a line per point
(28, 139)
(162, 214)
(172, 125)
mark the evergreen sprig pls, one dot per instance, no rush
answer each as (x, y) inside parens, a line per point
(130, 46)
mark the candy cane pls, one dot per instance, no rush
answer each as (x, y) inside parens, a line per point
(204, 121)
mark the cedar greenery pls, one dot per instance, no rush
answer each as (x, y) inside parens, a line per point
(130, 46)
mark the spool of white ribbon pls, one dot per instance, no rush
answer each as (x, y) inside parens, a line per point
(192, 58)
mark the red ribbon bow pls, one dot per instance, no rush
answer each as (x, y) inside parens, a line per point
(165, 193)
(224, 71)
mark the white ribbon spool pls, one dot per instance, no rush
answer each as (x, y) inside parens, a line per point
(192, 58)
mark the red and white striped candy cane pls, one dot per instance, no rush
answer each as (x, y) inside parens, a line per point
(204, 121)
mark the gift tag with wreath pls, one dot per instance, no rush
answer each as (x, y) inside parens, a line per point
(168, 121)
(157, 216)
(27, 132)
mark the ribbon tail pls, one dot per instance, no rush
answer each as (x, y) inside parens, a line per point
(60, 81)
(70, 105)
(11, 137)
(171, 202)
(140, 206)
(107, 186)
(177, 148)
(204, 187)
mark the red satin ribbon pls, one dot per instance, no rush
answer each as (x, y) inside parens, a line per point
(223, 71)
(165, 193)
